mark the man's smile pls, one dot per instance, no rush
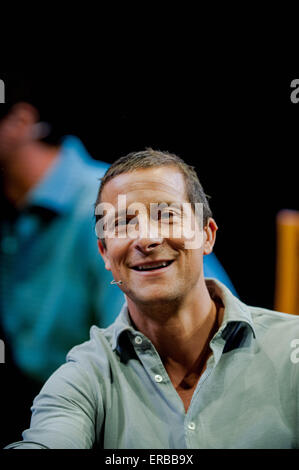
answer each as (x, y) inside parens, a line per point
(152, 267)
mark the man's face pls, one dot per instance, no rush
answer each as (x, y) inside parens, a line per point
(15, 129)
(7, 137)
(137, 261)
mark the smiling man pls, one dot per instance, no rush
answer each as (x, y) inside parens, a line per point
(162, 279)
(186, 364)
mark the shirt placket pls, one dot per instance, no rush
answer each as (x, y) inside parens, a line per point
(194, 429)
(160, 378)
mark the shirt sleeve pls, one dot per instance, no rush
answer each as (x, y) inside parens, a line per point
(64, 413)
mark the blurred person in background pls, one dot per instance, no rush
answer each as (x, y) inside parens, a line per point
(53, 285)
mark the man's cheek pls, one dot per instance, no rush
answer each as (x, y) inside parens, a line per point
(176, 243)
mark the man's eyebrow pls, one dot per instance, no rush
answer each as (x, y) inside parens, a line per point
(114, 214)
(171, 204)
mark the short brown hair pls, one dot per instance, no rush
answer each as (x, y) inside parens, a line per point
(150, 158)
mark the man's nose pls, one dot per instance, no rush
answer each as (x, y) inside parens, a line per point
(149, 236)
(146, 245)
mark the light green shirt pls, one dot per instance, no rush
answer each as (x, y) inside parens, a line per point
(114, 392)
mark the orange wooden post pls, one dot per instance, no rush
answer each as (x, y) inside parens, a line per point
(287, 262)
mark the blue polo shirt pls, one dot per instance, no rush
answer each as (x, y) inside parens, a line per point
(53, 282)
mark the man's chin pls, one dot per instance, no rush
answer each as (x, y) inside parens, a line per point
(154, 296)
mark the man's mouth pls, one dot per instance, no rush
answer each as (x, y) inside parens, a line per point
(152, 266)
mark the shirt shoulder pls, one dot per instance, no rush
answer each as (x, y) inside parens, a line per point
(96, 353)
(276, 321)
(81, 175)
(277, 334)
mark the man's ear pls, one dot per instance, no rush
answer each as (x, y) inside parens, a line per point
(24, 114)
(209, 236)
(103, 253)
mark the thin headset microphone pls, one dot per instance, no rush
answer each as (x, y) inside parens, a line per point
(116, 282)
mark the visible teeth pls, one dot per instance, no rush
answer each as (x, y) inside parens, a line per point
(152, 266)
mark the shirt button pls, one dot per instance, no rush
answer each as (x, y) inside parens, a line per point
(138, 340)
(191, 426)
(158, 378)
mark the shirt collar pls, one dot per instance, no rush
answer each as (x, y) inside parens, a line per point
(56, 191)
(121, 324)
(235, 311)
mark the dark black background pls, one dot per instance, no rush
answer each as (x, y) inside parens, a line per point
(238, 128)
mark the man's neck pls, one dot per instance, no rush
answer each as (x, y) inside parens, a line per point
(23, 170)
(180, 337)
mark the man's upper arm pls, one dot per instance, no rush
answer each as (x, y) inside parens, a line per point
(64, 413)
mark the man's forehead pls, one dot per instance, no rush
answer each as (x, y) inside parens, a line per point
(158, 183)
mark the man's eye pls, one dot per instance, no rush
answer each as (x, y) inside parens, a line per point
(167, 215)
